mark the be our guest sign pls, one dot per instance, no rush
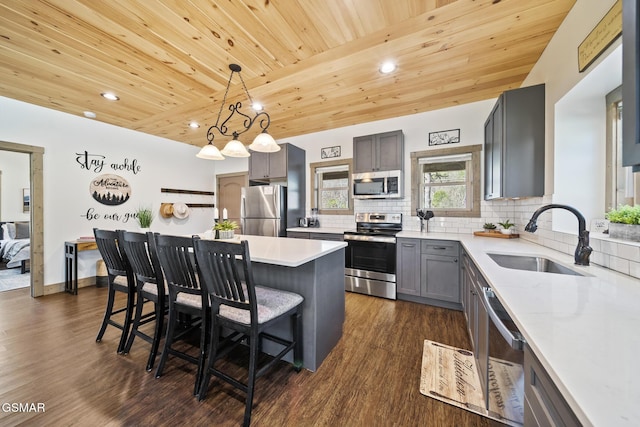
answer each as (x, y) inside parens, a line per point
(108, 189)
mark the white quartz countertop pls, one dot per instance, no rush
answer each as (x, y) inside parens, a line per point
(285, 251)
(584, 330)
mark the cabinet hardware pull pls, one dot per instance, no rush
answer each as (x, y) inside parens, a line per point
(440, 248)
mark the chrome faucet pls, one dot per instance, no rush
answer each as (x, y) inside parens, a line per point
(583, 250)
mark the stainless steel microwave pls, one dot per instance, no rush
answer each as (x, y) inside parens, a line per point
(377, 185)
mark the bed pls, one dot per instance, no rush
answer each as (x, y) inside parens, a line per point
(15, 245)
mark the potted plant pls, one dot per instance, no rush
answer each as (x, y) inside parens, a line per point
(489, 227)
(145, 218)
(624, 222)
(506, 226)
(225, 229)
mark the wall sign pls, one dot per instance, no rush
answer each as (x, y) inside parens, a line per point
(111, 190)
(330, 152)
(450, 136)
(601, 37)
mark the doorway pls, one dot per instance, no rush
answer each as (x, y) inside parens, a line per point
(229, 187)
(36, 222)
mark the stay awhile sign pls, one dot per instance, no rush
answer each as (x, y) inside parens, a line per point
(108, 189)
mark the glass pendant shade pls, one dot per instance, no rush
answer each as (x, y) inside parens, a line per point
(210, 152)
(235, 148)
(264, 143)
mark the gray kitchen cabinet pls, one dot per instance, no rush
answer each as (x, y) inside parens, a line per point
(428, 271)
(544, 405)
(297, 234)
(378, 152)
(630, 85)
(477, 316)
(481, 349)
(334, 237)
(274, 166)
(440, 270)
(440, 277)
(408, 266)
(514, 138)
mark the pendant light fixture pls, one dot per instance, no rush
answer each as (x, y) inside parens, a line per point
(234, 148)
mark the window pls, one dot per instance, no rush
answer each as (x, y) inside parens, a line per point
(621, 183)
(331, 187)
(447, 181)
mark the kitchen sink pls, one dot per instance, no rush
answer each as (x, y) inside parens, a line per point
(532, 263)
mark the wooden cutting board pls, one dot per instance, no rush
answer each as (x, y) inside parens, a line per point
(496, 234)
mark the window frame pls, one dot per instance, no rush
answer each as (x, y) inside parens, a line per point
(312, 185)
(614, 156)
(473, 180)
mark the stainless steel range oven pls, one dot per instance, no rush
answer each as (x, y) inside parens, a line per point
(370, 256)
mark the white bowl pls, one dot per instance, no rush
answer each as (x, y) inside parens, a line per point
(505, 231)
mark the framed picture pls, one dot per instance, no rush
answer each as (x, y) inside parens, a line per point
(330, 152)
(450, 136)
(26, 199)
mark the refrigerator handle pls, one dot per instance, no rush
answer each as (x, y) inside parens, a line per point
(242, 211)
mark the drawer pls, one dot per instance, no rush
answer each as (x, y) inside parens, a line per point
(441, 247)
(326, 236)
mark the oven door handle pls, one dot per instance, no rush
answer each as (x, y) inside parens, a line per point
(377, 239)
(515, 342)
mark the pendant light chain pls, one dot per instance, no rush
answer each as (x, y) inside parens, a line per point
(245, 88)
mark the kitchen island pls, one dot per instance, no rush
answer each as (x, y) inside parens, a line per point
(313, 269)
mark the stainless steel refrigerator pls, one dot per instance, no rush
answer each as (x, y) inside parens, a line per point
(263, 210)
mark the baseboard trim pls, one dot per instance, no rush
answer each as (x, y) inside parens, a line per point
(59, 287)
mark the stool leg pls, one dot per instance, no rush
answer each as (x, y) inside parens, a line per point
(136, 323)
(128, 320)
(108, 311)
(157, 334)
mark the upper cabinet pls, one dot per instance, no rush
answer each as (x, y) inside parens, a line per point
(274, 166)
(630, 85)
(379, 152)
(514, 145)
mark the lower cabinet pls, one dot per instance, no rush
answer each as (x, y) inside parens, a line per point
(297, 234)
(476, 314)
(428, 271)
(408, 267)
(544, 405)
(327, 236)
(315, 236)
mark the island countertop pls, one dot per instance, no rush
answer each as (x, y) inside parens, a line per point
(285, 251)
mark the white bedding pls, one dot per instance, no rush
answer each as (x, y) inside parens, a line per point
(15, 251)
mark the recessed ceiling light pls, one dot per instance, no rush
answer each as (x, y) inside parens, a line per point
(387, 67)
(110, 96)
(90, 114)
(194, 125)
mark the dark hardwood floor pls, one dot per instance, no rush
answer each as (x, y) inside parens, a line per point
(48, 355)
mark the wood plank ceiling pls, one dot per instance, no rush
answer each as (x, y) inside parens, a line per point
(312, 63)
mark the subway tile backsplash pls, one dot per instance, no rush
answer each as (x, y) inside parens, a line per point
(618, 255)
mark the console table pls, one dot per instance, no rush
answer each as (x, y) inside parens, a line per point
(71, 250)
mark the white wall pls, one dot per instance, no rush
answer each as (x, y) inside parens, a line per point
(558, 69)
(67, 199)
(580, 149)
(14, 178)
